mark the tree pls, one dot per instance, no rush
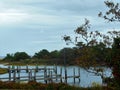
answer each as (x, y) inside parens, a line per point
(85, 41)
(43, 54)
(113, 15)
(21, 56)
(91, 44)
(67, 55)
(54, 54)
(9, 57)
(116, 59)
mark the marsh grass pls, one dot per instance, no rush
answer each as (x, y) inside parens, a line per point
(39, 86)
(3, 70)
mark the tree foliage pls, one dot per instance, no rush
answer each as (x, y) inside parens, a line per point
(9, 57)
(93, 46)
(116, 59)
(90, 44)
(42, 54)
(113, 13)
(21, 56)
(54, 54)
(17, 56)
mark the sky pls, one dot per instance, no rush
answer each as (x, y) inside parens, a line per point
(32, 25)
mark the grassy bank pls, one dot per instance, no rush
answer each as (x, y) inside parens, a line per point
(32, 62)
(52, 86)
(3, 70)
(37, 61)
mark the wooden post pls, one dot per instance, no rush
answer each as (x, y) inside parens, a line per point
(34, 75)
(13, 69)
(9, 68)
(65, 75)
(56, 72)
(51, 79)
(79, 73)
(74, 75)
(29, 75)
(45, 75)
(9, 71)
(49, 74)
(27, 69)
(55, 69)
(36, 68)
(14, 76)
(18, 77)
(17, 69)
(61, 74)
(103, 79)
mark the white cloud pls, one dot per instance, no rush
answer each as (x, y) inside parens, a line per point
(12, 16)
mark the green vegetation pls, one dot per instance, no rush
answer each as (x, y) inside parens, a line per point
(115, 62)
(52, 86)
(70, 55)
(113, 15)
(3, 70)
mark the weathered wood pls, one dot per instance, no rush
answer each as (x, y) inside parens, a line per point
(55, 70)
(29, 75)
(9, 72)
(45, 74)
(26, 69)
(35, 75)
(13, 68)
(61, 74)
(50, 74)
(79, 73)
(18, 78)
(74, 75)
(65, 75)
(36, 68)
(14, 76)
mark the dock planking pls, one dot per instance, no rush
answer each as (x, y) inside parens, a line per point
(49, 74)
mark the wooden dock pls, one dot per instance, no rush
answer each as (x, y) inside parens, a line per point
(48, 74)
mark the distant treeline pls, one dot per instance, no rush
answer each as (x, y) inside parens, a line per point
(65, 55)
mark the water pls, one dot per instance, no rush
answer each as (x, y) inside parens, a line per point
(86, 78)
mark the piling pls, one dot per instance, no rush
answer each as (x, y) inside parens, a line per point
(79, 73)
(34, 75)
(56, 72)
(9, 71)
(18, 77)
(29, 75)
(51, 77)
(45, 75)
(27, 69)
(14, 76)
(18, 70)
(65, 75)
(61, 74)
(13, 69)
(36, 68)
(74, 75)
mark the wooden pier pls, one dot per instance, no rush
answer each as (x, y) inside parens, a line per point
(48, 75)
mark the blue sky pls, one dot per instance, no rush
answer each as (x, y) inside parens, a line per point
(33, 25)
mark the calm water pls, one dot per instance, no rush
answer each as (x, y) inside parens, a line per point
(86, 78)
